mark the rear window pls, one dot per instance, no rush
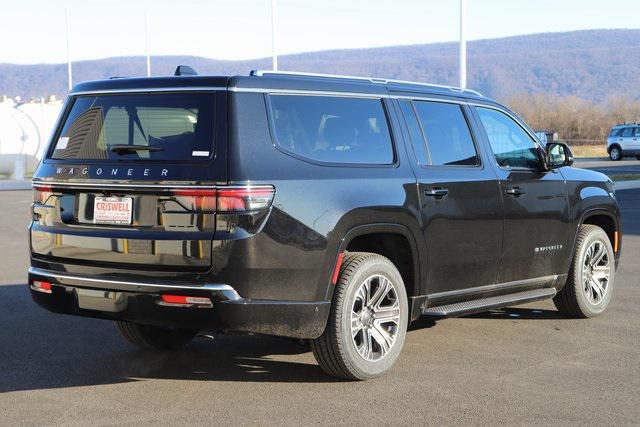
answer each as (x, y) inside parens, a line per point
(177, 126)
(332, 129)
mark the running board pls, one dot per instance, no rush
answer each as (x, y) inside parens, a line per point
(484, 304)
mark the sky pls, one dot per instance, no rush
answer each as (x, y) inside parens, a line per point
(241, 29)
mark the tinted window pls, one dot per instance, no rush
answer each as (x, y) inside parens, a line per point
(511, 145)
(617, 132)
(332, 129)
(167, 126)
(627, 132)
(447, 134)
(415, 133)
(637, 134)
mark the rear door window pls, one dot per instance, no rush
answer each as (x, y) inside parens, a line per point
(332, 129)
(165, 127)
(447, 134)
(627, 132)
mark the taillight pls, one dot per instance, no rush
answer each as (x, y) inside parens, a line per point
(232, 199)
(41, 192)
(40, 286)
(244, 199)
(200, 199)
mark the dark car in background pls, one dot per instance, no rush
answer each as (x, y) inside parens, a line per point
(325, 208)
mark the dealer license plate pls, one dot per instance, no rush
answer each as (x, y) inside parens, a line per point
(112, 210)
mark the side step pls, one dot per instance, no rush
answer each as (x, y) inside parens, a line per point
(484, 304)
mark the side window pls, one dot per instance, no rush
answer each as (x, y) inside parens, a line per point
(637, 134)
(447, 134)
(627, 132)
(417, 140)
(617, 132)
(332, 129)
(511, 145)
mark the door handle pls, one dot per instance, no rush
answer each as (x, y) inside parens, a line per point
(437, 192)
(514, 191)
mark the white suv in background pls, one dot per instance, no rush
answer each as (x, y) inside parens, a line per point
(624, 140)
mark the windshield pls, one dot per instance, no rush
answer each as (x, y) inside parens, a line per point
(177, 126)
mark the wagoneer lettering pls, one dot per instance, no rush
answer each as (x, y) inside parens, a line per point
(331, 209)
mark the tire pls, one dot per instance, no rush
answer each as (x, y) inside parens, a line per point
(155, 337)
(580, 297)
(336, 351)
(637, 157)
(615, 153)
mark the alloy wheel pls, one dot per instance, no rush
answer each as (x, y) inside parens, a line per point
(596, 270)
(375, 318)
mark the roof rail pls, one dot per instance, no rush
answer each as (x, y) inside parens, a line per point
(369, 79)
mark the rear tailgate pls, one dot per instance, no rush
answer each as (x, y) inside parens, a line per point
(129, 182)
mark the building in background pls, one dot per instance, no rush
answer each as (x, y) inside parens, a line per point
(25, 128)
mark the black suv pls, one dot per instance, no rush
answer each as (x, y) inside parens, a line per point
(331, 209)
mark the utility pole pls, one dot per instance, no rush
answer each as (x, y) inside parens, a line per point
(68, 20)
(463, 46)
(274, 50)
(146, 44)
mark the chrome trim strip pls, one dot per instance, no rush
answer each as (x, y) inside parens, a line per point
(100, 185)
(494, 287)
(153, 89)
(225, 290)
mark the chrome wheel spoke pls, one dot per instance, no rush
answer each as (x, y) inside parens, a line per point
(382, 337)
(384, 286)
(356, 324)
(598, 254)
(597, 287)
(365, 347)
(388, 314)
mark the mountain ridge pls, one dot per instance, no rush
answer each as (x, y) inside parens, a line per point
(592, 64)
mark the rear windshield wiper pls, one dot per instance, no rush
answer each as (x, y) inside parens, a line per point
(125, 148)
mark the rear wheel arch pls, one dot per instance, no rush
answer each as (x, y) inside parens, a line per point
(393, 241)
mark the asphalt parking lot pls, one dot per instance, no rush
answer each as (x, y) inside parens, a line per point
(521, 365)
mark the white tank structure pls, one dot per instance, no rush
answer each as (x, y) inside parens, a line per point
(25, 129)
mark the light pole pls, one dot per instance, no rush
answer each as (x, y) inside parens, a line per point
(68, 21)
(463, 46)
(146, 44)
(274, 51)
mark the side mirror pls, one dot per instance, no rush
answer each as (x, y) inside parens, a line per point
(558, 155)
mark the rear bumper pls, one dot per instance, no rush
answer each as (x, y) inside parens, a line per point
(140, 302)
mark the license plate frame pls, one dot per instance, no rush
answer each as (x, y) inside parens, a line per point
(113, 210)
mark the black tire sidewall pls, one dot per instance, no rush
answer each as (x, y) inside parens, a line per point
(587, 308)
(363, 368)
